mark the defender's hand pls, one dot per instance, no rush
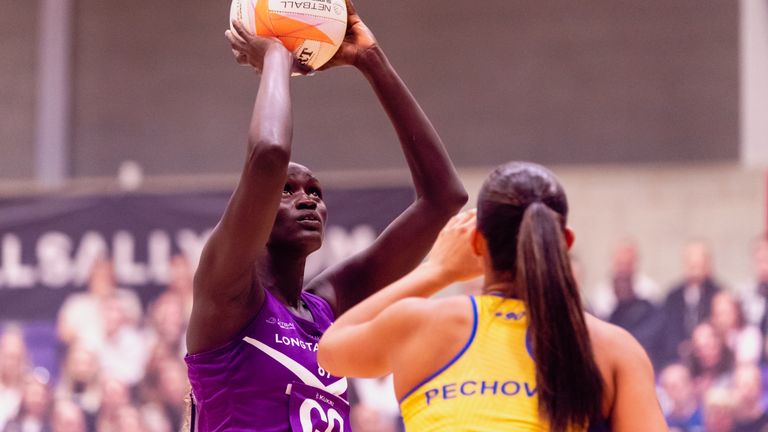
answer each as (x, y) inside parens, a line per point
(452, 255)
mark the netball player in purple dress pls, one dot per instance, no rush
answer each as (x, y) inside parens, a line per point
(255, 322)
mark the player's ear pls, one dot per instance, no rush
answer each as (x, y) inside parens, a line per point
(479, 243)
(570, 237)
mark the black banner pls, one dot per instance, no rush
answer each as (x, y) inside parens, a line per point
(49, 243)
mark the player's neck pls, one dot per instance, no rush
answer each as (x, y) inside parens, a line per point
(283, 275)
(500, 283)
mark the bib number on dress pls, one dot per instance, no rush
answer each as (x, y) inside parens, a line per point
(314, 410)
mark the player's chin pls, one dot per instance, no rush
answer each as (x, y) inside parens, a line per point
(311, 240)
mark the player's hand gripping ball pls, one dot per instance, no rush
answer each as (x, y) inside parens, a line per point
(312, 29)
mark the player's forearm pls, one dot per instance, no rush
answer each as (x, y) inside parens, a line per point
(272, 121)
(434, 175)
(424, 281)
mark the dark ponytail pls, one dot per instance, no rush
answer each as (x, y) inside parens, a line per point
(570, 386)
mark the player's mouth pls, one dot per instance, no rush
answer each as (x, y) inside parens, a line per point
(310, 220)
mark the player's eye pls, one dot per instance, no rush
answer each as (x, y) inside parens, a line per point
(315, 193)
(287, 190)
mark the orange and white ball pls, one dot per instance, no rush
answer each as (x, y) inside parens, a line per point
(312, 29)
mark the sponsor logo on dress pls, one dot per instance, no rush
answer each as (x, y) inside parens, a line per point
(511, 316)
(280, 323)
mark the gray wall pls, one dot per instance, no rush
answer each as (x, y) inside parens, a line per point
(18, 59)
(555, 81)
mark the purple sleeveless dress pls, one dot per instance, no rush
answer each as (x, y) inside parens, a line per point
(267, 378)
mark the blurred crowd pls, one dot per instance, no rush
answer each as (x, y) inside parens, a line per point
(706, 338)
(118, 367)
(118, 364)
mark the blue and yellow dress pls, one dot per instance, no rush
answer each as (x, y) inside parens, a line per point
(490, 385)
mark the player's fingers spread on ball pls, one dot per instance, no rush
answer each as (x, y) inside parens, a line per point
(234, 42)
(351, 8)
(330, 64)
(237, 52)
(242, 31)
(302, 68)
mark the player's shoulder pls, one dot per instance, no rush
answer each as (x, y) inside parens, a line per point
(431, 323)
(602, 332)
(431, 308)
(433, 316)
(614, 343)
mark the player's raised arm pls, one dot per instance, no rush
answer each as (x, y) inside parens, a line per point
(396, 311)
(439, 192)
(224, 293)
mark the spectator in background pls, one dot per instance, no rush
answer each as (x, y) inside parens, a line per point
(164, 393)
(718, 410)
(123, 353)
(81, 317)
(689, 302)
(68, 417)
(173, 389)
(624, 260)
(366, 418)
(180, 279)
(156, 421)
(34, 414)
(634, 314)
(727, 319)
(683, 412)
(167, 323)
(756, 292)
(114, 396)
(13, 369)
(165, 384)
(750, 412)
(80, 382)
(376, 405)
(710, 360)
(130, 420)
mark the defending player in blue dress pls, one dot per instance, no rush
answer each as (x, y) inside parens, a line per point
(521, 357)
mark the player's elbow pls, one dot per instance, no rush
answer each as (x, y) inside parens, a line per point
(452, 196)
(445, 205)
(326, 355)
(457, 198)
(268, 154)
